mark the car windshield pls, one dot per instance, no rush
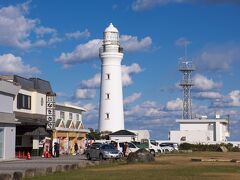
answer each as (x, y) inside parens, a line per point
(153, 142)
(107, 146)
(166, 144)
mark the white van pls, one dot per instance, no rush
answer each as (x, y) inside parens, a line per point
(131, 146)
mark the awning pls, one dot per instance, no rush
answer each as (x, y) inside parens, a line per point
(40, 131)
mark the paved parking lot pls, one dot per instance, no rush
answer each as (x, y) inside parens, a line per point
(20, 168)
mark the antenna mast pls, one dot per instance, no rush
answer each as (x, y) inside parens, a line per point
(186, 68)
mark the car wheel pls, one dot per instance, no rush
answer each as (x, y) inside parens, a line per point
(100, 157)
(152, 152)
(88, 157)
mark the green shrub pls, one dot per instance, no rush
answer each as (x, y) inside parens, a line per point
(207, 147)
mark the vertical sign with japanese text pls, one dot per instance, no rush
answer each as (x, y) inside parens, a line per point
(50, 111)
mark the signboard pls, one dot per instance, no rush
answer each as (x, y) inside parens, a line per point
(50, 111)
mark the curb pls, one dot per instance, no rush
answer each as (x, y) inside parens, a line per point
(31, 172)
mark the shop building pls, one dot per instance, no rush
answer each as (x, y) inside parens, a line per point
(69, 129)
(29, 107)
(8, 92)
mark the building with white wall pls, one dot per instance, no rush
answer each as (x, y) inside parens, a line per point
(141, 134)
(111, 117)
(122, 136)
(201, 130)
(69, 128)
(29, 107)
(8, 91)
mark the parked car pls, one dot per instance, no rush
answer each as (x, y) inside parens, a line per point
(102, 151)
(168, 146)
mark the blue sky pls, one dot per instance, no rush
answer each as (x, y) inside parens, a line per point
(59, 40)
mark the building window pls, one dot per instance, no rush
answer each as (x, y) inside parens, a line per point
(23, 101)
(77, 117)
(107, 76)
(41, 101)
(107, 95)
(183, 138)
(70, 115)
(62, 115)
(210, 127)
(107, 116)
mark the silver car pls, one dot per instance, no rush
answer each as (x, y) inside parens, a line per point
(103, 151)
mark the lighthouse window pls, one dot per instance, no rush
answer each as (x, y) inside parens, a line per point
(107, 76)
(107, 95)
(107, 116)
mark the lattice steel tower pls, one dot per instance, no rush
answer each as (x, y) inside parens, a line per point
(187, 67)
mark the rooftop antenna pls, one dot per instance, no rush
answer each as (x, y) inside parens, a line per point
(186, 68)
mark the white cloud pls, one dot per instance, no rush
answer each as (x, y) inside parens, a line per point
(94, 82)
(230, 100)
(235, 98)
(175, 105)
(82, 53)
(207, 95)
(149, 109)
(132, 44)
(127, 71)
(141, 5)
(78, 34)
(54, 40)
(90, 106)
(19, 31)
(15, 28)
(85, 94)
(182, 42)
(44, 30)
(203, 83)
(132, 98)
(10, 64)
(218, 57)
(90, 50)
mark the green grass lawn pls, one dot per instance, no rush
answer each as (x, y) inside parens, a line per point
(171, 166)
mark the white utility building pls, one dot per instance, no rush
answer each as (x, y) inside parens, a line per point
(8, 92)
(111, 117)
(201, 130)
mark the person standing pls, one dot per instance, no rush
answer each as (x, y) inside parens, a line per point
(56, 149)
(76, 148)
(125, 148)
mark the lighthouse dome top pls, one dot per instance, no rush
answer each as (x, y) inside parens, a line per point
(111, 28)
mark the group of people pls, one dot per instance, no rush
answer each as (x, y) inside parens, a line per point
(56, 149)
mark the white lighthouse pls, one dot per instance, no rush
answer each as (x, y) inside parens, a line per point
(111, 116)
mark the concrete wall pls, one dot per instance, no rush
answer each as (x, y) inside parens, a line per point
(9, 135)
(7, 92)
(121, 138)
(36, 107)
(141, 134)
(6, 103)
(9, 142)
(194, 126)
(191, 136)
